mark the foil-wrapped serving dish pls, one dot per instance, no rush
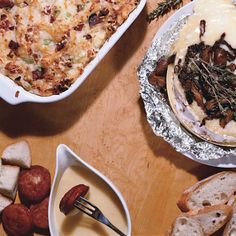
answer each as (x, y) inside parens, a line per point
(159, 114)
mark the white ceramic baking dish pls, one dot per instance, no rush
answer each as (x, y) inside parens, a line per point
(65, 158)
(14, 94)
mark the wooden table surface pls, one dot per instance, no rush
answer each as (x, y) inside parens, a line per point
(104, 122)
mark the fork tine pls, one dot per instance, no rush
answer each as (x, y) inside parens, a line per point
(79, 203)
(89, 203)
(79, 208)
(95, 213)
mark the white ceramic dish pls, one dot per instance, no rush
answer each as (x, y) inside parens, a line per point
(65, 157)
(227, 161)
(9, 88)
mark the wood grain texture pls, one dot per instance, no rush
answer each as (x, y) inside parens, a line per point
(104, 122)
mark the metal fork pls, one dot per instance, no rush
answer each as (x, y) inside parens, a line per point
(91, 210)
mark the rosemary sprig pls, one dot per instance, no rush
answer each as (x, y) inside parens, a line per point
(163, 8)
(215, 77)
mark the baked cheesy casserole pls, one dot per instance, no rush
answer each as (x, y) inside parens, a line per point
(45, 45)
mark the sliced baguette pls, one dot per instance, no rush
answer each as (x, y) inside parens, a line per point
(8, 180)
(186, 226)
(17, 154)
(214, 190)
(212, 218)
(230, 228)
(4, 202)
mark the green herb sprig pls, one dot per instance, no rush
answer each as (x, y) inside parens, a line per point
(163, 8)
(214, 77)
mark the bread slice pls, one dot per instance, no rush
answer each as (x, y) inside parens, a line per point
(17, 154)
(212, 218)
(214, 190)
(4, 202)
(230, 229)
(8, 180)
(186, 226)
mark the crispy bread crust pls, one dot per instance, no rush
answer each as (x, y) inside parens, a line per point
(183, 201)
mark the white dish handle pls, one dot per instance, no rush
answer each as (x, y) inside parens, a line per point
(11, 92)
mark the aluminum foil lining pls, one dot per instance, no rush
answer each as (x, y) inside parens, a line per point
(159, 114)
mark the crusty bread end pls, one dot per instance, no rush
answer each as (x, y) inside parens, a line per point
(186, 226)
(230, 228)
(212, 218)
(214, 190)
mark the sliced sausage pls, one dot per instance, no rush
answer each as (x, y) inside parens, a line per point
(34, 184)
(68, 200)
(17, 220)
(39, 214)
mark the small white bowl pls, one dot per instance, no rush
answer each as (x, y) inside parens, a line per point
(65, 158)
(9, 89)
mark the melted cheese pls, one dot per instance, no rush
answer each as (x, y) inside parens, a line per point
(220, 17)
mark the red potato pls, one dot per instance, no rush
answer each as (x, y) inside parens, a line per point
(34, 184)
(67, 202)
(17, 220)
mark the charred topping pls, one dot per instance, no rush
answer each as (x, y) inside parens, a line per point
(3, 17)
(161, 68)
(11, 27)
(79, 7)
(17, 94)
(104, 12)
(12, 68)
(6, 4)
(38, 73)
(202, 27)
(158, 77)
(232, 67)
(88, 36)
(13, 45)
(52, 18)
(94, 19)
(207, 77)
(4, 23)
(47, 10)
(18, 78)
(60, 45)
(62, 86)
(79, 27)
